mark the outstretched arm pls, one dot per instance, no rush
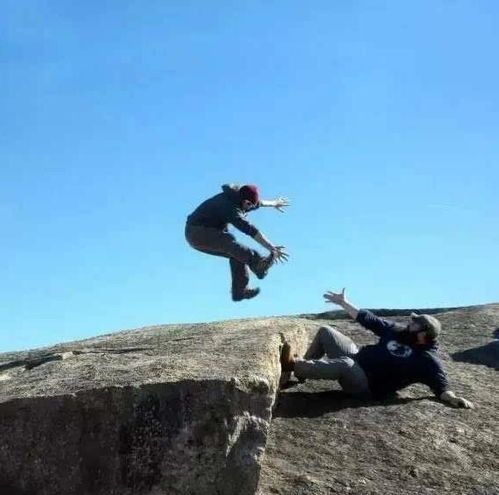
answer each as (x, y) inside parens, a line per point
(340, 299)
(263, 241)
(450, 398)
(368, 320)
(278, 203)
(278, 251)
(243, 225)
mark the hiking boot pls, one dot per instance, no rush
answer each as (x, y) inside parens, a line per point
(245, 294)
(287, 361)
(262, 267)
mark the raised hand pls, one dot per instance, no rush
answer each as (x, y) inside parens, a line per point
(280, 254)
(281, 202)
(335, 297)
(466, 404)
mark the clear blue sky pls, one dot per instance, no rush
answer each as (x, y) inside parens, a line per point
(379, 120)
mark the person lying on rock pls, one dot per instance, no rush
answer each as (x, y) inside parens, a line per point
(404, 354)
(207, 231)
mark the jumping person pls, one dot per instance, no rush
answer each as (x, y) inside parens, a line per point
(207, 231)
(404, 354)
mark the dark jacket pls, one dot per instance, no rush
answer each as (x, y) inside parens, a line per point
(220, 210)
(391, 366)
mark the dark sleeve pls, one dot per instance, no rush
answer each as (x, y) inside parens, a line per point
(238, 220)
(374, 323)
(436, 377)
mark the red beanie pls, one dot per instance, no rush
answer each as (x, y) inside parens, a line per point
(250, 193)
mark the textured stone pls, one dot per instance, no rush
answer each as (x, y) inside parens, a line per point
(322, 442)
(186, 409)
(174, 410)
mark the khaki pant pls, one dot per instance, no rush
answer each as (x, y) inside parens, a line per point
(331, 356)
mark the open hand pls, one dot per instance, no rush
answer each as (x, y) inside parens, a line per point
(466, 404)
(335, 297)
(281, 202)
(280, 254)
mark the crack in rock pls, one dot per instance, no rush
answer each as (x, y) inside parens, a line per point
(30, 363)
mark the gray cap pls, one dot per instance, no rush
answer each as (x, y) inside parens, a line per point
(431, 325)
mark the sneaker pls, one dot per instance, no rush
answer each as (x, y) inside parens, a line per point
(263, 266)
(246, 294)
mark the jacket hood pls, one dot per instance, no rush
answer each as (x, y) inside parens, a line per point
(232, 192)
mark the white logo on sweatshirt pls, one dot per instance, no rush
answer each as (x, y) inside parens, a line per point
(397, 349)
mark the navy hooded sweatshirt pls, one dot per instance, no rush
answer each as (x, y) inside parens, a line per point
(391, 366)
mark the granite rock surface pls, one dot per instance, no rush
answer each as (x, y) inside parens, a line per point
(198, 409)
(323, 442)
(179, 409)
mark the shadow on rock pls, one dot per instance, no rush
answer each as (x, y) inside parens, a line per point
(315, 404)
(8, 489)
(487, 354)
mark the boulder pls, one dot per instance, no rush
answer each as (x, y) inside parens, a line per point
(196, 409)
(179, 409)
